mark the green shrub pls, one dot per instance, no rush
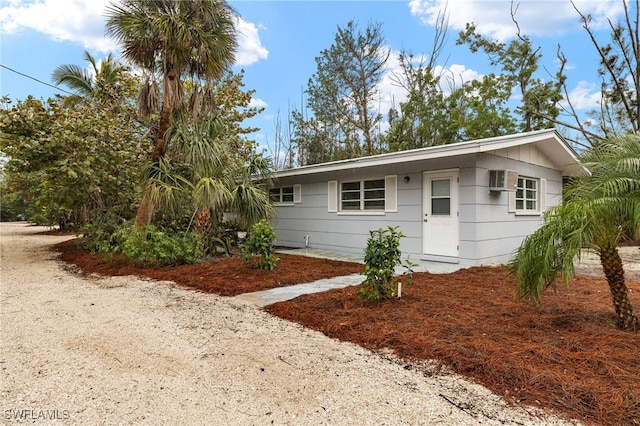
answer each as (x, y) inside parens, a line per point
(105, 235)
(258, 248)
(381, 258)
(148, 245)
(143, 246)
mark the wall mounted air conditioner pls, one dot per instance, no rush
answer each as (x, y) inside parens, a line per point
(503, 180)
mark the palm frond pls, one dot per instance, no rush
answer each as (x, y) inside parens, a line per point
(75, 78)
(251, 204)
(211, 192)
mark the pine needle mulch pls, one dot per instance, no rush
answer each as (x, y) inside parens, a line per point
(225, 276)
(565, 355)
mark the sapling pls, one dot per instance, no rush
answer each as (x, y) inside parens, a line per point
(382, 257)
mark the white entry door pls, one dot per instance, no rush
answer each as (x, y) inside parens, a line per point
(440, 228)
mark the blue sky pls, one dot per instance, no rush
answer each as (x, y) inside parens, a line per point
(280, 39)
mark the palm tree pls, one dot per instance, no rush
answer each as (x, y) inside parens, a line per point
(598, 212)
(96, 84)
(173, 39)
(198, 169)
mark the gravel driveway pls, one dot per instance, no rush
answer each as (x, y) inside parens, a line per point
(94, 350)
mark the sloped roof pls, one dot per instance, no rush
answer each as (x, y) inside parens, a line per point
(549, 141)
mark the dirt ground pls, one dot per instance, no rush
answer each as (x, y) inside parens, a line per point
(565, 357)
(111, 350)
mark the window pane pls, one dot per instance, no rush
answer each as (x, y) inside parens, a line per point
(351, 186)
(347, 196)
(374, 184)
(519, 204)
(287, 198)
(274, 195)
(531, 195)
(440, 206)
(377, 194)
(351, 205)
(374, 205)
(287, 190)
(440, 188)
(531, 205)
(531, 184)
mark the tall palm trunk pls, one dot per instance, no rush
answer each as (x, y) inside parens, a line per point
(145, 209)
(614, 272)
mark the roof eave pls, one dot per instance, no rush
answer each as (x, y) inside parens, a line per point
(551, 141)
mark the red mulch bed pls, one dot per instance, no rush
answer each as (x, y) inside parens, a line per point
(228, 276)
(565, 356)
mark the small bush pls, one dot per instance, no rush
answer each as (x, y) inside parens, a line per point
(105, 235)
(143, 246)
(381, 258)
(258, 248)
(149, 245)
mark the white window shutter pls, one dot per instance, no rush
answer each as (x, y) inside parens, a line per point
(512, 201)
(297, 193)
(542, 193)
(391, 193)
(332, 190)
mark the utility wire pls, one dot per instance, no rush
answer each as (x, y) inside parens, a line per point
(35, 79)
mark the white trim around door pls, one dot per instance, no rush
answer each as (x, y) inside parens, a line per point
(440, 216)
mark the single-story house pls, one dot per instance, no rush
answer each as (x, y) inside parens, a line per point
(470, 203)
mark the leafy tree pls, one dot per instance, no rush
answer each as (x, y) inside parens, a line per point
(342, 95)
(70, 165)
(598, 211)
(172, 39)
(619, 110)
(519, 61)
(423, 119)
(479, 109)
(438, 109)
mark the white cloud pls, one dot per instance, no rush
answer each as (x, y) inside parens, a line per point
(585, 96)
(76, 21)
(257, 103)
(535, 17)
(83, 22)
(250, 49)
(391, 94)
(454, 76)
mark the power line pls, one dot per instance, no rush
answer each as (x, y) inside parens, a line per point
(35, 79)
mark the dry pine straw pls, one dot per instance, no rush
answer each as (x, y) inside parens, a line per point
(565, 355)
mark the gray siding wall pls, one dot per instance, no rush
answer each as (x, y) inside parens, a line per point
(496, 233)
(489, 233)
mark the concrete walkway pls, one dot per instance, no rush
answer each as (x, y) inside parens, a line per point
(279, 294)
(267, 297)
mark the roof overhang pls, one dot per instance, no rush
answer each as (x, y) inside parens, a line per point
(549, 141)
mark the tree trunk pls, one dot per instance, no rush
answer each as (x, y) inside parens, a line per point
(145, 209)
(203, 223)
(614, 272)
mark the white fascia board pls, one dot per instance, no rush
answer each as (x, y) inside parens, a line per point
(551, 142)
